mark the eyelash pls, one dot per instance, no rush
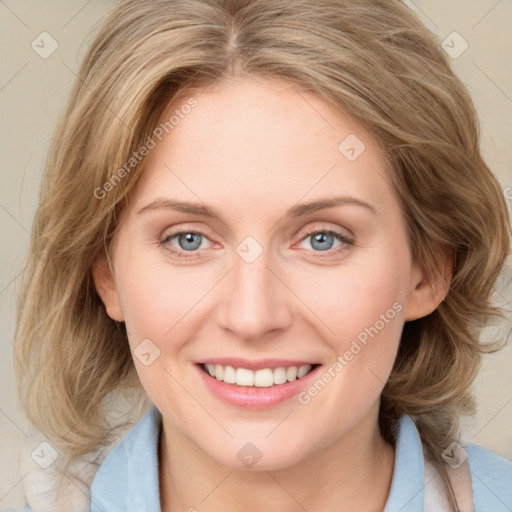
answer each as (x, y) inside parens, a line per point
(308, 232)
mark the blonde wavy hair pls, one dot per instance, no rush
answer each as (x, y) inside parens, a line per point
(371, 59)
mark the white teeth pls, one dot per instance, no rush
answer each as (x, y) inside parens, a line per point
(219, 371)
(291, 373)
(279, 375)
(229, 375)
(244, 377)
(303, 370)
(263, 378)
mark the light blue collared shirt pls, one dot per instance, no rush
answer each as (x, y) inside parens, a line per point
(127, 480)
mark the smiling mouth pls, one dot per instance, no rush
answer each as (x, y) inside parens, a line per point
(263, 378)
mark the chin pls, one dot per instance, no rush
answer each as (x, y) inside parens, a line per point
(251, 456)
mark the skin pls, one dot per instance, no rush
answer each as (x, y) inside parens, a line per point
(251, 149)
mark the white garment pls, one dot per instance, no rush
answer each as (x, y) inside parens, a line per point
(436, 497)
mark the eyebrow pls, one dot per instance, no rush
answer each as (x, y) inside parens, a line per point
(295, 211)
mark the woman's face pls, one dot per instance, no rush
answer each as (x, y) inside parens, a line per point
(259, 285)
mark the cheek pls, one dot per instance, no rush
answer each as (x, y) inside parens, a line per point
(161, 307)
(156, 297)
(352, 297)
(359, 308)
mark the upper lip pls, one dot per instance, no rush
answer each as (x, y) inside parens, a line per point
(255, 364)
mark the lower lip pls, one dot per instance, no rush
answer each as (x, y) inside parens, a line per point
(253, 397)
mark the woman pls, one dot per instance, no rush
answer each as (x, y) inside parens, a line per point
(273, 220)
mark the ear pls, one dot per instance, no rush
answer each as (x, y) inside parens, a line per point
(106, 287)
(427, 293)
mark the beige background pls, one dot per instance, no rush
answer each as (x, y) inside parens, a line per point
(32, 91)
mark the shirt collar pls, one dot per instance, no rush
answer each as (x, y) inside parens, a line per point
(127, 480)
(408, 482)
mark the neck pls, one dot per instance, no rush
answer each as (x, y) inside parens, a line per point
(351, 474)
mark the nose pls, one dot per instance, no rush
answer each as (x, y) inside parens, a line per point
(257, 301)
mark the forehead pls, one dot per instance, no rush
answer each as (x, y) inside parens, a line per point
(254, 140)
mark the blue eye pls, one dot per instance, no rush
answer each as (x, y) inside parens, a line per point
(322, 241)
(189, 241)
